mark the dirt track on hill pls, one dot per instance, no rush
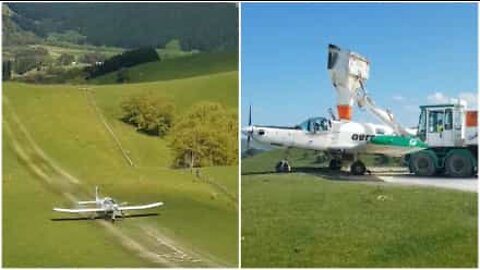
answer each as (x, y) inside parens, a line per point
(139, 236)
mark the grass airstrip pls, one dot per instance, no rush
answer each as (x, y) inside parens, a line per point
(56, 148)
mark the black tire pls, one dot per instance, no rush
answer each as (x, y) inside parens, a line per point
(422, 164)
(358, 168)
(458, 165)
(278, 167)
(335, 165)
(286, 167)
(282, 166)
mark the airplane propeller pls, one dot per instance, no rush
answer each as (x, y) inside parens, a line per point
(250, 129)
(117, 212)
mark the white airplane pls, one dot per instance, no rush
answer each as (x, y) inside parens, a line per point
(342, 139)
(106, 207)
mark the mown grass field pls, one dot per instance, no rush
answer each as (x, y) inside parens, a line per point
(198, 217)
(177, 68)
(303, 220)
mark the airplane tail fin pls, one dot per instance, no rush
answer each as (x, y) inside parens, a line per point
(96, 194)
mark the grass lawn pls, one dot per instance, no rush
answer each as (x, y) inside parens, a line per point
(302, 220)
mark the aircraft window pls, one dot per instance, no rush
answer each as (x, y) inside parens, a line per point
(315, 125)
(261, 132)
(448, 119)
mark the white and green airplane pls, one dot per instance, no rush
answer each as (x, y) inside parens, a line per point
(339, 137)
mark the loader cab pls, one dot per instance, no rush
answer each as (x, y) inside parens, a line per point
(441, 125)
(315, 125)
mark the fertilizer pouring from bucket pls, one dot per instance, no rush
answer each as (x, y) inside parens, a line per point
(348, 71)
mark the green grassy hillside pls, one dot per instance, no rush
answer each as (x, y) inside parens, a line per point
(303, 220)
(177, 68)
(54, 134)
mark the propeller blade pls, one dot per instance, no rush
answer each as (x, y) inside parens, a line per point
(250, 116)
(249, 137)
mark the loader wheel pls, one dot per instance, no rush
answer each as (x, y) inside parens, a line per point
(459, 166)
(422, 164)
(358, 168)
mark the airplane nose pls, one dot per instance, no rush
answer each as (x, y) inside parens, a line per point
(247, 130)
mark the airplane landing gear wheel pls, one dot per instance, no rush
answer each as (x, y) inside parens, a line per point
(459, 166)
(358, 168)
(335, 165)
(283, 167)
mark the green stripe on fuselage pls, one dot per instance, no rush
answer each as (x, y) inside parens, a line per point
(398, 141)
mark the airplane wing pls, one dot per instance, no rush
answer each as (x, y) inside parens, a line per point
(394, 146)
(86, 202)
(79, 210)
(140, 207)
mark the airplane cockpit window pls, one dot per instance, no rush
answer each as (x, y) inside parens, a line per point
(314, 125)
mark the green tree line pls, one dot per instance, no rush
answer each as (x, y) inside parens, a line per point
(202, 26)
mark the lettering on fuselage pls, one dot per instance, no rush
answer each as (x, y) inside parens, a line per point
(361, 137)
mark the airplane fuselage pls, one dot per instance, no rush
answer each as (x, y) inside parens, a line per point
(108, 205)
(333, 135)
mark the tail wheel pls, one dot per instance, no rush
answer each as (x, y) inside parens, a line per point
(358, 168)
(422, 164)
(458, 165)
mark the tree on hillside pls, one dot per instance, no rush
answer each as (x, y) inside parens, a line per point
(92, 58)
(150, 114)
(206, 135)
(26, 59)
(124, 60)
(69, 36)
(6, 70)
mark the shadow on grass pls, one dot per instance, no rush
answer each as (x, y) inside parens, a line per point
(102, 217)
(325, 173)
